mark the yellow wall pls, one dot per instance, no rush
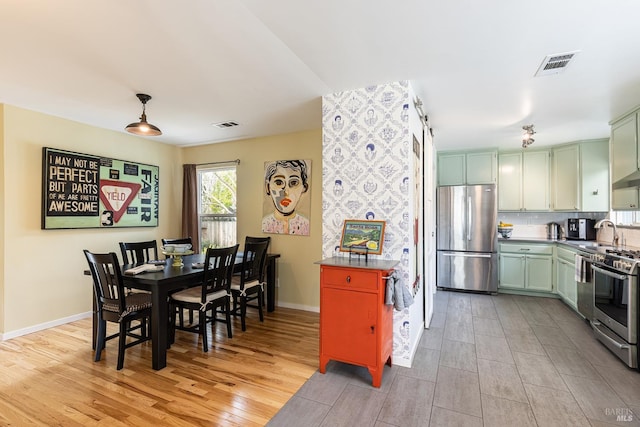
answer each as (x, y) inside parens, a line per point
(42, 270)
(299, 277)
(2, 171)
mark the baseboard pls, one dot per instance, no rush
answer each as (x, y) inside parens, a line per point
(42, 326)
(299, 307)
(406, 363)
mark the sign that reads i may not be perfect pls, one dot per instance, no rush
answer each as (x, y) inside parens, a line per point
(85, 191)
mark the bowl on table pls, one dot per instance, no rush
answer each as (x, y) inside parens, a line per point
(181, 248)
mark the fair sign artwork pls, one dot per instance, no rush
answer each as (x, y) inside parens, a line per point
(287, 199)
(85, 191)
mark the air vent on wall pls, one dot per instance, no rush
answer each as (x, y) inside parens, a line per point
(225, 125)
(556, 63)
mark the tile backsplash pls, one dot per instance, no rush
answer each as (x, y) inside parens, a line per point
(534, 224)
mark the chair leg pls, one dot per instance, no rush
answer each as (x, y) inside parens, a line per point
(190, 317)
(202, 320)
(122, 342)
(181, 317)
(260, 300)
(101, 339)
(227, 310)
(243, 312)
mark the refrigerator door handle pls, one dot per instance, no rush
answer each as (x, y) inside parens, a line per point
(469, 220)
(467, 255)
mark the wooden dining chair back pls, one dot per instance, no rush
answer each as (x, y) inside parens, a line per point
(212, 294)
(248, 285)
(251, 239)
(138, 252)
(113, 304)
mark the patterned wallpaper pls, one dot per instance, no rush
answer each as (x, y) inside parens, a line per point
(367, 174)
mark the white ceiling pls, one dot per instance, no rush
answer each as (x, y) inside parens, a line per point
(266, 64)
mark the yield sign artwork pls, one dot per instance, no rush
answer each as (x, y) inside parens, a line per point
(117, 196)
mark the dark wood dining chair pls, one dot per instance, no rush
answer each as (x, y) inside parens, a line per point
(138, 252)
(114, 304)
(248, 285)
(212, 294)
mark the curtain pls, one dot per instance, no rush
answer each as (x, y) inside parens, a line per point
(190, 205)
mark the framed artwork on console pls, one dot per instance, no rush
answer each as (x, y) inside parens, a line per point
(359, 236)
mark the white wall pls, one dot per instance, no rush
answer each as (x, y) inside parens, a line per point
(357, 180)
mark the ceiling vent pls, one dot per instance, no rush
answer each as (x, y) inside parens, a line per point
(225, 125)
(555, 64)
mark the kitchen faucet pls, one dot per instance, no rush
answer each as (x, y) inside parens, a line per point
(601, 223)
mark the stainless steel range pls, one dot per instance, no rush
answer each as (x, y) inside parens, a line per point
(615, 313)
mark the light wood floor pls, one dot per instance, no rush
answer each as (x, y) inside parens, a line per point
(49, 377)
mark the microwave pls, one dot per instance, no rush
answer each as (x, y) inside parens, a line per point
(581, 229)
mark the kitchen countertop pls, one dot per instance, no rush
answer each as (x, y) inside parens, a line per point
(584, 245)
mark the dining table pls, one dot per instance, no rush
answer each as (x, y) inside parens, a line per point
(169, 279)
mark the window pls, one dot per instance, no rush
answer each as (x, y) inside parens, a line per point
(217, 206)
(631, 218)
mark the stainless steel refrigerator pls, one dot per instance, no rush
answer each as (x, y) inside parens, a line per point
(467, 240)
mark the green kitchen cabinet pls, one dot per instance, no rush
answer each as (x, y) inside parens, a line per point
(460, 168)
(512, 270)
(624, 147)
(566, 172)
(566, 284)
(523, 181)
(625, 198)
(527, 267)
(510, 181)
(624, 160)
(452, 169)
(580, 176)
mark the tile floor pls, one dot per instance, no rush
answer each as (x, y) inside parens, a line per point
(499, 360)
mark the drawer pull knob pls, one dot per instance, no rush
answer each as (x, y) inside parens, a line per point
(373, 329)
(348, 279)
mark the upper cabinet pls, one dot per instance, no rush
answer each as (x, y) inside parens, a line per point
(580, 176)
(523, 181)
(624, 147)
(460, 168)
(624, 162)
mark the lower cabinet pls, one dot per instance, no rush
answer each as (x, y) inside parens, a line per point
(567, 287)
(526, 267)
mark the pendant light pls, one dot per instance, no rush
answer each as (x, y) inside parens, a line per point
(142, 127)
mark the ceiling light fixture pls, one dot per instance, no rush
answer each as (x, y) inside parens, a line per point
(142, 127)
(527, 135)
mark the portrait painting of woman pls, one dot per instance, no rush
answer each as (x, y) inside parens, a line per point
(287, 200)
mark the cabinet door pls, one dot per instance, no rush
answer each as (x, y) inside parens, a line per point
(567, 286)
(348, 325)
(594, 176)
(624, 198)
(510, 181)
(482, 168)
(539, 273)
(451, 169)
(566, 175)
(624, 147)
(535, 181)
(512, 268)
(561, 278)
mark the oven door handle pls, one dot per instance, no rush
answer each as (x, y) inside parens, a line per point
(596, 327)
(610, 273)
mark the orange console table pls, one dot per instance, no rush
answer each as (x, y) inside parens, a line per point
(355, 324)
